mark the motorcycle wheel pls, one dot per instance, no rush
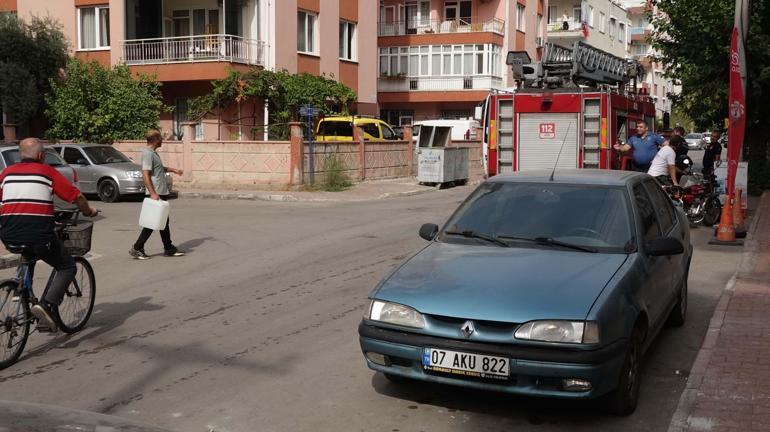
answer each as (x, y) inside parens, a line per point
(712, 212)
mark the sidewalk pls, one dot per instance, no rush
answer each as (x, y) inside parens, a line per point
(729, 385)
(364, 191)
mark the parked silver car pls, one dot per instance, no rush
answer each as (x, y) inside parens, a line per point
(9, 155)
(104, 170)
(695, 141)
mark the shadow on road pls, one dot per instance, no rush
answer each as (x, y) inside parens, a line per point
(190, 245)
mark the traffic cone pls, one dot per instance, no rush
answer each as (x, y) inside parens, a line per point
(725, 234)
(738, 220)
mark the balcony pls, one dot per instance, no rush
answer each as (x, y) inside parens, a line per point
(574, 30)
(194, 49)
(438, 83)
(404, 28)
(640, 34)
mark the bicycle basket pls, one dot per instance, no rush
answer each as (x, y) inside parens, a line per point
(76, 239)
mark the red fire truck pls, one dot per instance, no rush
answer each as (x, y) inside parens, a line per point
(572, 106)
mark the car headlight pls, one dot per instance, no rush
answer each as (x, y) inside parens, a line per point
(134, 174)
(394, 313)
(586, 332)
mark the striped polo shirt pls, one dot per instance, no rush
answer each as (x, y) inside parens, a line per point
(27, 190)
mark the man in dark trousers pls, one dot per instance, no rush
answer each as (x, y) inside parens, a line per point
(712, 157)
(645, 145)
(154, 175)
(27, 190)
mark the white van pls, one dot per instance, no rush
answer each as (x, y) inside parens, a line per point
(462, 130)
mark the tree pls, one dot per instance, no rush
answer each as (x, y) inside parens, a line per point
(30, 55)
(693, 39)
(284, 92)
(96, 104)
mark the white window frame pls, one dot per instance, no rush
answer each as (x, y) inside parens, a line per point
(520, 17)
(591, 16)
(423, 55)
(602, 22)
(97, 47)
(314, 41)
(622, 32)
(348, 25)
(552, 15)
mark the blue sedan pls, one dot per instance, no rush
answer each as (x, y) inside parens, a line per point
(537, 285)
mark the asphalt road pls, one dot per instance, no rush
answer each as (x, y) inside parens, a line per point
(255, 330)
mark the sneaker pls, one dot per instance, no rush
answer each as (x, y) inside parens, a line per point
(43, 315)
(173, 252)
(138, 254)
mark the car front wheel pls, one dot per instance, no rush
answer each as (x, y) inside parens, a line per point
(622, 401)
(108, 191)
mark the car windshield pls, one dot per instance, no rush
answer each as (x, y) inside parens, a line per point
(693, 136)
(12, 157)
(335, 128)
(105, 155)
(595, 217)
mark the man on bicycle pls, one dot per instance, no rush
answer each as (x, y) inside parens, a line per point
(27, 218)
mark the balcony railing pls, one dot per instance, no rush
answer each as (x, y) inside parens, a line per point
(401, 28)
(438, 83)
(574, 28)
(192, 49)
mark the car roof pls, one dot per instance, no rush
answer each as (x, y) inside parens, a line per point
(572, 176)
(81, 145)
(351, 118)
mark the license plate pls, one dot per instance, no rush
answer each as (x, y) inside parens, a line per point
(465, 364)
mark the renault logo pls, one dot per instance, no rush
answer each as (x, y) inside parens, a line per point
(467, 329)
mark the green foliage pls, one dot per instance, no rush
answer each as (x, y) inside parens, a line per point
(96, 104)
(335, 179)
(30, 55)
(285, 93)
(693, 38)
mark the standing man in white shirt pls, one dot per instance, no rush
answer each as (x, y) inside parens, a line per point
(663, 166)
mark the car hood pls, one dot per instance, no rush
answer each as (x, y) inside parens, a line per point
(122, 166)
(500, 284)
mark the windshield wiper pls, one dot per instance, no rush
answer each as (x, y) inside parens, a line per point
(551, 242)
(474, 234)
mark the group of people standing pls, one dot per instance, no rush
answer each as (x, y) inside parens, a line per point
(657, 156)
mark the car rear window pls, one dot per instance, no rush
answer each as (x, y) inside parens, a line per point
(335, 128)
(12, 157)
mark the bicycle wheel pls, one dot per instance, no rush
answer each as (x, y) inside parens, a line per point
(14, 323)
(79, 297)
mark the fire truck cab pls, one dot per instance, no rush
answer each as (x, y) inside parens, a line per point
(567, 112)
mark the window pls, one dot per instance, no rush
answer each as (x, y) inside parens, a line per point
(347, 40)
(520, 17)
(646, 209)
(622, 32)
(577, 14)
(441, 60)
(371, 129)
(387, 133)
(662, 205)
(72, 156)
(306, 23)
(552, 15)
(602, 22)
(458, 10)
(93, 28)
(613, 27)
(591, 16)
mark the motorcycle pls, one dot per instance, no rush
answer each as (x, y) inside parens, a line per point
(698, 197)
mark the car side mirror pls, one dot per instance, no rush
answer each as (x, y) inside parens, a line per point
(665, 246)
(81, 161)
(428, 231)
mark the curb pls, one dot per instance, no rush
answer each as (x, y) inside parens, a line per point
(294, 198)
(681, 421)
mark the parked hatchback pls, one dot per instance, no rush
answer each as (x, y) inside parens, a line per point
(341, 129)
(537, 285)
(695, 141)
(104, 170)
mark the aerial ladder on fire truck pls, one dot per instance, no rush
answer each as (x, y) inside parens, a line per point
(582, 64)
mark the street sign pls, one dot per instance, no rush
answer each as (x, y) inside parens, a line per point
(308, 111)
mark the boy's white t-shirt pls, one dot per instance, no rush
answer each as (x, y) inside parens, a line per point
(666, 156)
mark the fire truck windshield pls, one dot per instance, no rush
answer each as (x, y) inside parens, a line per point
(588, 218)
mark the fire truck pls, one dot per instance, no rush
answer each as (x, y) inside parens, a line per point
(567, 111)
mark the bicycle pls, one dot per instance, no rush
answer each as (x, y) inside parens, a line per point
(17, 296)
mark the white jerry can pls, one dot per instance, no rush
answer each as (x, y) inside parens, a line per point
(154, 214)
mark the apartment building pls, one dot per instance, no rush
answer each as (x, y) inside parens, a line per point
(603, 24)
(655, 82)
(439, 58)
(188, 43)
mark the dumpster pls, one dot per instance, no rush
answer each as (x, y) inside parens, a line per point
(437, 164)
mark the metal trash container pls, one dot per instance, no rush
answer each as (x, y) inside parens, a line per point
(436, 163)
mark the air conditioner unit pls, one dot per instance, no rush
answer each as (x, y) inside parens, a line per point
(539, 42)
